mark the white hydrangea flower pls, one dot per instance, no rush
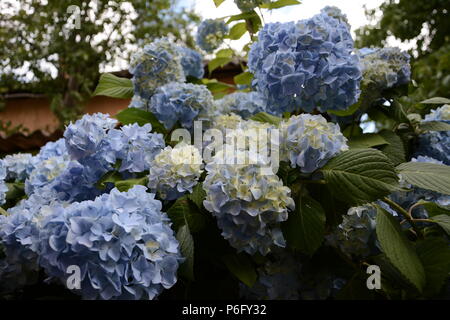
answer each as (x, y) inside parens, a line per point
(175, 171)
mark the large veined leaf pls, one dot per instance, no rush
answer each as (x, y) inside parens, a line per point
(241, 267)
(443, 220)
(430, 176)
(112, 86)
(305, 228)
(435, 256)
(436, 100)
(237, 31)
(218, 62)
(186, 241)
(434, 126)
(266, 118)
(184, 212)
(198, 195)
(141, 117)
(398, 249)
(367, 140)
(279, 4)
(395, 149)
(359, 176)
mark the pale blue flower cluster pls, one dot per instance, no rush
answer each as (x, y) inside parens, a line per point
(45, 172)
(181, 102)
(175, 171)
(18, 166)
(355, 236)
(306, 64)
(385, 67)
(122, 243)
(336, 13)
(192, 62)
(436, 144)
(136, 146)
(3, 187)
(156, 64)
(248, 5)
(309, 141)
(248, 205)
(53, 149)
(244, 104)
(210, 34)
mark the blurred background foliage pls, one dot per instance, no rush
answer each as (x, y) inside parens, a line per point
(43, 53)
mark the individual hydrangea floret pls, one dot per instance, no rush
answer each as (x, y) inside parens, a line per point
(244, 104)
(248, 5)
(136, 146)
(309, 141)
(385, 67)
(175, 171)
(306, 64)
(436, 144)
(210, 34)
(18, 166)
(156, 64)
(192, 62)
(45, 172)
(121, 241)
(336, 13)
(355, 236)
(248, 205)
(182, 102)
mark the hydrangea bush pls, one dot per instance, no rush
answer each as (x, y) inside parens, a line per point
(291, 183)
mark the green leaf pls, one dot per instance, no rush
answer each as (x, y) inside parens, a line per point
(111, 86)
(343, 113)
(434, 254)
(398, 249)
(125, 185)
(237, 31)
(216, 86)
(183, 211)
(359, 176)
(244, 78)
(186, 241)
(434, 126)
(279, 4)
(430, 176)
(443, 220)
(198, 195)
(266, 118)
(305, 228)
(15, 191)
(434, 209)
(395, 149)
(225, 53)
(217, 62)
(436, 100)
(241, 267)
(141, 117)
(366, 140)
(218, 2)
(243, 16)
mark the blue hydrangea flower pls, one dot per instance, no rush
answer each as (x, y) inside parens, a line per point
(385, 67)
(156, 64)
(52, 149)
(244, 104)
(210, 34)
(309, 141)
(248, 206)
(136, 146)
(182, 102)
(336, 13)
(175, 171)
(18, 166)
(436, 144)
(45, 172)
(3, 187)
(122, 243)
(139, 103)
(192, 62)
(355, 236)
(248, 5)
(306, 64)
